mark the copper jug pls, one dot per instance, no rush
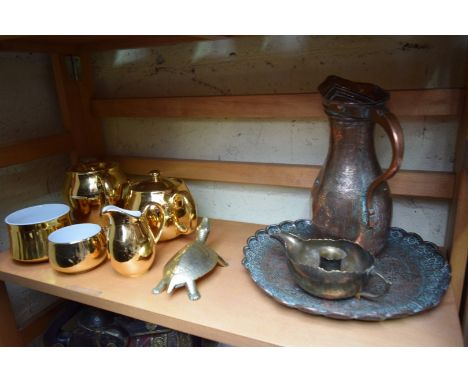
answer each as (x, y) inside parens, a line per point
(351, 198)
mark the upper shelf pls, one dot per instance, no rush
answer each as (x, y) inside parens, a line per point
(76, 44)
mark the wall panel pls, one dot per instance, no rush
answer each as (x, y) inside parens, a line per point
(28, 102)
(281, 64)
(28, 109)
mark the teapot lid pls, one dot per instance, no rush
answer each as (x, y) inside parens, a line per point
(92, 167)
(155, 183)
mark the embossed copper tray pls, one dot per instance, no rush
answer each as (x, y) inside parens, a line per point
(419, 273)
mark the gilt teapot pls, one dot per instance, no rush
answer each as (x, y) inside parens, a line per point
(174, 198)
(90, 186)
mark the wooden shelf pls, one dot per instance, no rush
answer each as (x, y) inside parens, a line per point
(232, 309)
(88, 43)
(424, 184)
(35, 149)
(406, 103)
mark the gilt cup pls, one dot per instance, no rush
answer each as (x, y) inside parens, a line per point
(77, 248)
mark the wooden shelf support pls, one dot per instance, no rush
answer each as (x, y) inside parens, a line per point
(35, 149)
(9, 334)
(457, 232)
(74, 85)
(429, 102)
(82, 44)
(406, 183)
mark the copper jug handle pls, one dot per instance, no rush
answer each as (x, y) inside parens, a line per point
(394, 131)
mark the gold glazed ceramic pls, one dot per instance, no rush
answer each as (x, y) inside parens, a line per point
(189, 264)
(174, 197)
(77, 248)
(131, 241)
(330, 269)
(90, 186)
(29, 228)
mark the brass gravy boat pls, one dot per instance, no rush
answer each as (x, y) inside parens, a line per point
(330, 269)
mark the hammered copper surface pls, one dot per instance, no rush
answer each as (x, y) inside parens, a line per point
(419, 274)
(351, 199)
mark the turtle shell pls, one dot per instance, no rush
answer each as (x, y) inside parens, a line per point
(194, 261)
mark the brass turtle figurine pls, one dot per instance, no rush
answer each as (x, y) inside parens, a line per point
(189, 264)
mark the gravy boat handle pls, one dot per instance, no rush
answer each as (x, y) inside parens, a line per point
(373, 296)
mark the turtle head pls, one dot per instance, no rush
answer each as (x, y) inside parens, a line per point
(203, 230)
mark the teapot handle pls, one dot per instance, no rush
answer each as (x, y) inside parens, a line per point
(393, 129)
(103, 184)
(189, 211)
(126, 188)
(111, 196)
(156, 210)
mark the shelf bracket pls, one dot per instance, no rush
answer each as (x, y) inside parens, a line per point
(73, 65)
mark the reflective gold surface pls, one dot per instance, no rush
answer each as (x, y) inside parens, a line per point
(90, 186)
(174, 197)
(28, 242)
(75, 257)
(131, 241)
(189, 264)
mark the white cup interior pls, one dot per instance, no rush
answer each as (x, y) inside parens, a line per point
(37, 214)
(74, 233)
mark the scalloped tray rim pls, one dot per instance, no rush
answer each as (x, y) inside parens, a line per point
(333, 313)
